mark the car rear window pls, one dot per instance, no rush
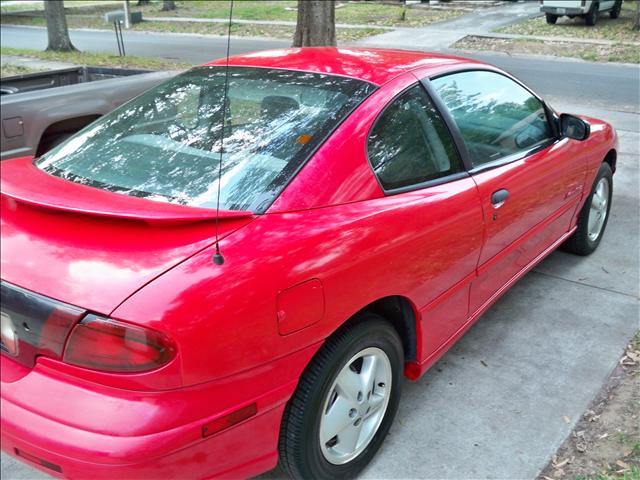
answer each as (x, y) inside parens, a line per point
(165, 144)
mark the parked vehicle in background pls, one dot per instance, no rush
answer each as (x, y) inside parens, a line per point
(40, 110)
(588, 9)
(369, 204)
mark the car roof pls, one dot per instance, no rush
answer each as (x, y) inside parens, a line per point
(375, 65)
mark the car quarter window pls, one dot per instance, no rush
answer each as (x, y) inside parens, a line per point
(496, 116)
(409, 144)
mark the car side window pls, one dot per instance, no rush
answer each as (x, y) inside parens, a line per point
(409, 144)
(496, 116)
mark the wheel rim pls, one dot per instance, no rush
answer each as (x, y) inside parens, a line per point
(598, 209)
(355, 406)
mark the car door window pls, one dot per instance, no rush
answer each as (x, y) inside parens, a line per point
(496, 116)
(410, 144)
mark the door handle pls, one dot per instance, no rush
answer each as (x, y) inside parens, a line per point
(499, 197)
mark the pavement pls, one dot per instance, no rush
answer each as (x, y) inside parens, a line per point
(184, 48)
(504, 398)
(440, 35)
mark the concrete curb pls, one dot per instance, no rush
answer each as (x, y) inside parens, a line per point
(593, 41)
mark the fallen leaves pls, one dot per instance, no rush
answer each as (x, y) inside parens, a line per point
(591, 416)
(622, 464)
(631, 357)
(561, 464)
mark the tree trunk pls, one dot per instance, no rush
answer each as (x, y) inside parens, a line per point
(168, 5)
(316, 24)
(637, 25)
(57, 30)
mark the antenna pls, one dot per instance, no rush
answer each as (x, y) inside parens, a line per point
(218, 259)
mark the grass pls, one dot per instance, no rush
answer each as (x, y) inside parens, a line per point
(96, 59)
(248, 30)
(373, 14)
(595, 53)
(31, 6)
(245, 10)
(620, 29)
(244, 30)
(632, 473)
(622, 437)
(10, 69)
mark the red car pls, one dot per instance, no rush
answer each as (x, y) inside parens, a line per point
(369, 204)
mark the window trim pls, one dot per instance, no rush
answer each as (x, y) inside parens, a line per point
(514, 157)
(296, 171)
(446, 115)
(428, 183)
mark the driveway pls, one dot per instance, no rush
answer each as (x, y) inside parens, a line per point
(439, 35)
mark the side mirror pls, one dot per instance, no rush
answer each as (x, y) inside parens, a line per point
(574, 127)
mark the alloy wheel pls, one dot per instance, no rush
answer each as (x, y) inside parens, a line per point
(598, 209)
(355, 406)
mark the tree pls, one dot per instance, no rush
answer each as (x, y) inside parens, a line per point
(637, 25)
(316, 24)
(142, 2)
(57, 29)
(168, 5)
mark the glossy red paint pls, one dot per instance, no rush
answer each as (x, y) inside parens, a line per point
(373, 64)
(332, 238)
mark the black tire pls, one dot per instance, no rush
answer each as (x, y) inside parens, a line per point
(551, 18)
(579, 243)
(299, 446)
(615, 11)
(591, 18)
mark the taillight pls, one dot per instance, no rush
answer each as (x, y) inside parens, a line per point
(109, 345)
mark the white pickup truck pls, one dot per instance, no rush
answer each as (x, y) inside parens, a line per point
(588, 9)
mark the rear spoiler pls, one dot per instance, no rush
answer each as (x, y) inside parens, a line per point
(24, 183)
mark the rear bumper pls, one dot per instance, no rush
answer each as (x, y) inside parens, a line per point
(75, 429)
(240, 452)
(563, 11)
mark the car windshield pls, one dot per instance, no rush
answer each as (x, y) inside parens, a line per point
(165, 144)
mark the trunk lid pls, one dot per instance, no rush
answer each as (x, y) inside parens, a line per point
(92, 248)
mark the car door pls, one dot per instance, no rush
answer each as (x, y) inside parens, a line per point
(434, 205)
(529, 181)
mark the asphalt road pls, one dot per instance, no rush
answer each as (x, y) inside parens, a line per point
(611, 86)
(186, 48)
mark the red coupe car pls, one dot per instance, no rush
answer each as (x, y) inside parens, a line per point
(368, 206)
